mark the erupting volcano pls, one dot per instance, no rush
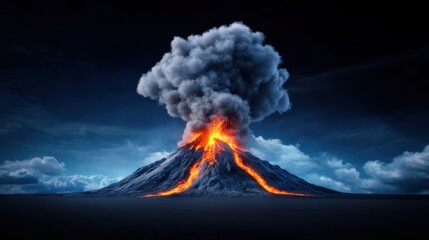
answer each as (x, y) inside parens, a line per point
(210, 141)
(212, 162)
(218, 82)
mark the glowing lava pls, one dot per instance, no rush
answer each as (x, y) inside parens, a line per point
(206, 139)
(261, 180)
(194, 172)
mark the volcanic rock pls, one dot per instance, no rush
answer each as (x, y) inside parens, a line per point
(222, 178)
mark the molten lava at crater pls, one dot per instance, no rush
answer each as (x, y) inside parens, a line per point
(210, 140)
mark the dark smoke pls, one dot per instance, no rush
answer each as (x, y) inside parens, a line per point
(226, 70)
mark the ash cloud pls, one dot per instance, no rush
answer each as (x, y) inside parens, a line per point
(226, 70)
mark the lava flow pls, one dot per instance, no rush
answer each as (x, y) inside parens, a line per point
(206, 139)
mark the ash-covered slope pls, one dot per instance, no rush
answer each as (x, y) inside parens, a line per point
(222, 178)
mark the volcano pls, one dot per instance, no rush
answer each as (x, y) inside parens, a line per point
(212, 162)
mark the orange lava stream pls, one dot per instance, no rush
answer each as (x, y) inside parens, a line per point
(261, 180)
(182, 185)
(206, 141)
(207, 137)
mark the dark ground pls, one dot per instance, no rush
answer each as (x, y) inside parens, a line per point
(351, 217)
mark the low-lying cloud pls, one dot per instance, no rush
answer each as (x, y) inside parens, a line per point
(155, 156)
(45, 175)
(406, 173)
(287, 156)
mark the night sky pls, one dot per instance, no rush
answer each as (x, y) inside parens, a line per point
(71, 118)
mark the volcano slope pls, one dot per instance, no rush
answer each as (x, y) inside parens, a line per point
(223, 177)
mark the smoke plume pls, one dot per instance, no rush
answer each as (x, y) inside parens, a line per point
(226, 70)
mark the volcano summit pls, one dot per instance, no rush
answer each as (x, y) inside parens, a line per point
(212, 163)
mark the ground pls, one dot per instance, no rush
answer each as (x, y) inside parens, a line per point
(80, 216)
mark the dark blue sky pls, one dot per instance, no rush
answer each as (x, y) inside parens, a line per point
(68, 77)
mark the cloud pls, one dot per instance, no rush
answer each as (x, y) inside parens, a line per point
(348, 174)
(33, 167)
(408, 172)
(75, 183)
(318, 170)
(334, 162)
(382, 171)
(45, 175)
(286, 156)
(155, 156)
(324, 169)
(329, 183)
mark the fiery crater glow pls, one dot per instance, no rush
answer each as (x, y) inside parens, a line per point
(206, 139)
